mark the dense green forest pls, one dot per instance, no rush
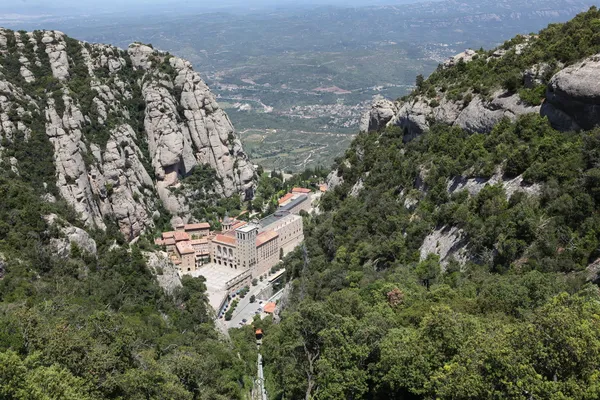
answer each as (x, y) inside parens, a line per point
(98, 327)
(369, 318)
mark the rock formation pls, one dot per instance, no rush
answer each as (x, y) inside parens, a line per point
(126, 126)
(573, 96)
(381, 112)
(415, 115)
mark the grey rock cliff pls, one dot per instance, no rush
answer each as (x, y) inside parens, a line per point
(126, 126)
(381, 112)
(479, 115)
(573, 96)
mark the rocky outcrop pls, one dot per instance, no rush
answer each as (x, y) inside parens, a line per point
(465, 56)
(126, 126)
(573, 96)
(357, 188)
(473, 113)
(334, 179)
(381, 112)
(68, 236)
(447, 243)
(478, 116)
(199, 132)
(510, 186)
(164, 270)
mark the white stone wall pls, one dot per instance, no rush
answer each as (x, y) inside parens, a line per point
(290, 231)
(268, 256)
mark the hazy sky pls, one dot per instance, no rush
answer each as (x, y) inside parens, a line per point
(69, 7)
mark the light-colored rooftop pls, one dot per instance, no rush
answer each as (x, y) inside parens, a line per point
(285, 198)
(238, 224)
(301, 190)
(247, 228)
(185, 248)
(166, 235)
(181, 236)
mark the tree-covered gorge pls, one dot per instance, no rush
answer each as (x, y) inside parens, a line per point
(454, 266)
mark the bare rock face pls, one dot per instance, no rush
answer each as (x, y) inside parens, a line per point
(465, 56)
(478, 116)
(190, 130)
(448, 243)
(333, 180)
(164, 270)
(573, 96)
(481, 116)
(126, 126)
(56, 50)
(381, 112)
(70, 235)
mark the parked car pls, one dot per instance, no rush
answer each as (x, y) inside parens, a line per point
(244, 320)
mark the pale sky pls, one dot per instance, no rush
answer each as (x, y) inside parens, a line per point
(69, 7)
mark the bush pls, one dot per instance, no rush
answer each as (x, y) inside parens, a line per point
(252, 299)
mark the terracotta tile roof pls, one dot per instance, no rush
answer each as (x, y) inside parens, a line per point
(199, 241)
(159, 242)
(301, 190)
(169, 241)
(270, 307)
(265, 237)
(238, 224)
(166, 235)
(184, 248)
(225, 239)
(181, 236)
(286, 198)
(195, 227)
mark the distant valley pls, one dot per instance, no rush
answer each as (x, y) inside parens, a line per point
(296, 81)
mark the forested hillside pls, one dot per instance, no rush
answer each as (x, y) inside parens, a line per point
(85, 325)
(94, 141)
(456, 265)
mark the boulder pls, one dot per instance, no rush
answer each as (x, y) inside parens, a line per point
(381, 112)
(573, 96)
(164, 270)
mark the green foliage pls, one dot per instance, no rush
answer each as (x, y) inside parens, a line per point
(369, 318)
(87, 327)
(558, 43)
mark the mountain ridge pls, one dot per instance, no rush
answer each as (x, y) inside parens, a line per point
(125, 126)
